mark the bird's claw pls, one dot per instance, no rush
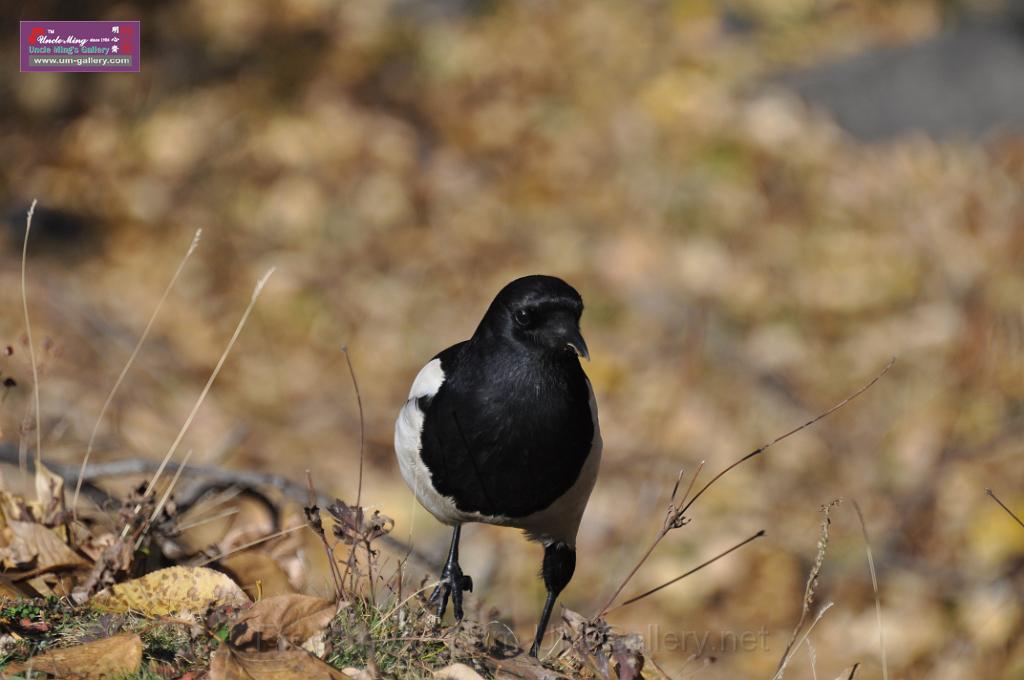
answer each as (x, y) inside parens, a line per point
(453, 583)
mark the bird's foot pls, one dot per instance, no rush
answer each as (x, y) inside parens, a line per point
(453, 583)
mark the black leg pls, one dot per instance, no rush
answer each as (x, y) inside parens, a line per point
(559, 565)
(453, 581)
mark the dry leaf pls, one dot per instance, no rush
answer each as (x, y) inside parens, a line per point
(114, 560)
(113, 657)
(179, 591)
(457, 671)
(317, 645)
(49, 493)
(11, 590)
(14, 507)
(33, 545)
(295, 618)
(251, 568)
(230, 664)
(356, 673)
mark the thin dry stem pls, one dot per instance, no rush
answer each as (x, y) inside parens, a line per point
(778, 439)
(318, 529)
(812, 580)
(401, 604)
(28, 334)
(362, 425)
(700, 566)
(689, 487)
(874, 587)
(128, 365)
(206, 520)
(283, 532)
(1003, 506)
(163, 499)
(206, 390)
(790, 652)
(647, 553)
(667, 526)
(676, 516)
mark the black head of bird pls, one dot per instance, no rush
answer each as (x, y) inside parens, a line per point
(540, 314)
(502, 429)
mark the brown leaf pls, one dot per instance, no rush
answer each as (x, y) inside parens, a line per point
(114, 560)
(295, 618)
(14, 507)
(33, 545)
(253, 568)
(13, 590)
(230, 664)
(179, 591)
(112, 657)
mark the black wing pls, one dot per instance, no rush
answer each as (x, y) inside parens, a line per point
(503, 441)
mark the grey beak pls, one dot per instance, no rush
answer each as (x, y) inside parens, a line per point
(576, 343)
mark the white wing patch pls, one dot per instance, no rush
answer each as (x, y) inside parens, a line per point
(428, 381)
(408, 432)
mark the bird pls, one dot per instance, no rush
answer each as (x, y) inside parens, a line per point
(503, 429)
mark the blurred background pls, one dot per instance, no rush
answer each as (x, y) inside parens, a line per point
(761, 202)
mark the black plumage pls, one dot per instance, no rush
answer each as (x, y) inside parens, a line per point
(511, 442)
(502, 429)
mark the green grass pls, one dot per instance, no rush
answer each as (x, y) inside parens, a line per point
(404, 643)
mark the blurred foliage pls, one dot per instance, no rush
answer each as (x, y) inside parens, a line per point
(744, 265)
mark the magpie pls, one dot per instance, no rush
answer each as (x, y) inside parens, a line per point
(502, 429)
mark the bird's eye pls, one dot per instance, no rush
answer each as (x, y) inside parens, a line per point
(522, 317)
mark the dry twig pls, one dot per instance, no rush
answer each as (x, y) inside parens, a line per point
(206, 390)
(1004, 507)
(874, 587)
(128, 365)
(28, 333)
(811, 585)
(676, 516)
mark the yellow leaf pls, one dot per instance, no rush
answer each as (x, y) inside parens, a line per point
(230, 664)
(296, 618)
(178, 591)
(113, 657)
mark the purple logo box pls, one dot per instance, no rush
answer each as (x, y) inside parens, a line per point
(80, 46)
